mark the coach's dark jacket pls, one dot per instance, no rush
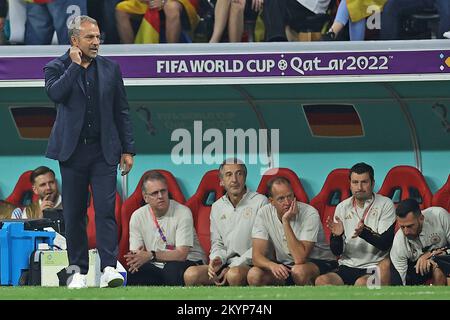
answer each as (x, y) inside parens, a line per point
(65, 88)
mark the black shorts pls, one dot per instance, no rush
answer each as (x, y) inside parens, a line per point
(325, 266)
(218, 272)
(296, 15)
(172, 274)
(350, 275)
(412, 278)
(416, 279)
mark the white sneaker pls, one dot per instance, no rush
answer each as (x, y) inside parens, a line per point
(78, 281)
(111, 278)
(447, 34)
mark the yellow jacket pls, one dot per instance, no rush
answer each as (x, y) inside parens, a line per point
(360, 9)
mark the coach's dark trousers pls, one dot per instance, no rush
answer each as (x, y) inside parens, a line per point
(85, 167)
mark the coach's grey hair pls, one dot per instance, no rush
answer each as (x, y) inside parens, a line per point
(75, 23)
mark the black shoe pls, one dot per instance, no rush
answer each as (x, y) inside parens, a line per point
(329, 36)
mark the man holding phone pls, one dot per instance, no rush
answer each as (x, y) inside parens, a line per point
(92, 134)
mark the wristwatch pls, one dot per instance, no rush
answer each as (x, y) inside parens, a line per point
(153, 259)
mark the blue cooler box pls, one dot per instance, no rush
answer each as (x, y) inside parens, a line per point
(16, 246)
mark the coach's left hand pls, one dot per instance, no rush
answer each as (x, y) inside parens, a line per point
(126, 163)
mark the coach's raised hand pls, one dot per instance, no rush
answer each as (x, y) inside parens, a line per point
(75, 55)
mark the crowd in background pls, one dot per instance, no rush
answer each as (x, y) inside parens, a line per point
(40, 22)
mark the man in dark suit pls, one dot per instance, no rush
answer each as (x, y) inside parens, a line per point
(91, 135)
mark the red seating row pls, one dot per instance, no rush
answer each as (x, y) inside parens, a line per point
(24, 189)
(208, 191)
(336, 188)
(400, 183)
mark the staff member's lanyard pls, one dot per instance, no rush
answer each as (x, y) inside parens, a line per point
(366, 212)
(161, 233)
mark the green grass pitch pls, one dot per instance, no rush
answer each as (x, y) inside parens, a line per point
(228, 293)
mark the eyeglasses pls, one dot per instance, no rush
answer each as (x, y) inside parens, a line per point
(281, 199)
(155, 194)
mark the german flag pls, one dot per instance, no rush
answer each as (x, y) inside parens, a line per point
(333, 120)
(360, 9)
(150, 27)
(33, 122)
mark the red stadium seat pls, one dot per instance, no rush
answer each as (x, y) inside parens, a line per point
(91, 220)
(336, 188)
(22, 191)
(135, 201)
(208, 191)
(299, 192)
(442, 197)
(403, 182)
